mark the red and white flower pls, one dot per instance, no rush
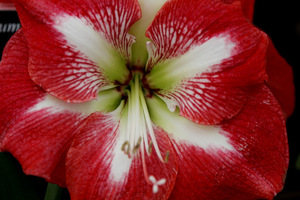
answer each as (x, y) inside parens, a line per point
(142, 100)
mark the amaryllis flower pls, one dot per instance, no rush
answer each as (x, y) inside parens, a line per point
(142, 100)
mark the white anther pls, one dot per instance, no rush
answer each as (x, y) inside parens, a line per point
(156, 183)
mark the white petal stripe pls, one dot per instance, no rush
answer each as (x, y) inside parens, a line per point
(184, 130)
(205, 57)
(81, 36)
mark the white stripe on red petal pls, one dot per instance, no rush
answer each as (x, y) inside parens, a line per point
(107, 100)
(120, 165)
(65, 47)
(254, 169)
(39, 139)
(186, 131)
(81, 35)
(98, 167)
(199, 59)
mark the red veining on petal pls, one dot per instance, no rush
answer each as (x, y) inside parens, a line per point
(39, 141)
(60, 67)
(255, 169)
(218, 92)
(206, 102)
(39, 138)
(18, 92)
(94, 169)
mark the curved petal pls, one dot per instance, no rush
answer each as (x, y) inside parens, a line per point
(97, 168)
(202, 62)
(16, 90)
(247, 7)
(139, 51)
(245, 157)
(35, 127)
(78, 47)
(280, 80)
(40, 139)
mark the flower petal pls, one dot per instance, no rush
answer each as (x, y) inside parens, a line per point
(202, 62)
(280, 81)
(149, 10)
(97, 168)
(78, 47)
(247, 7)
(16, 90)
(35, 127)
(39, 141)
(42, 134)
(245, 157)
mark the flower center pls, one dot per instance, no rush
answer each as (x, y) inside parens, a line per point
(138, 130)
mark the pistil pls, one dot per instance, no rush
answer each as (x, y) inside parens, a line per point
(139, 130)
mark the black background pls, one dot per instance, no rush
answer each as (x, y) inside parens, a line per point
(7, 17)
(281, 21)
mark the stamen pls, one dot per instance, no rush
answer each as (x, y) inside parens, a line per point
(123, 145)
(144, 133)
(137, 146)
(149, 126)
(136, 108)
(167, 156)
(138, 126)
(126, 150)
(129, 124)
(150, 147)
(144, 165)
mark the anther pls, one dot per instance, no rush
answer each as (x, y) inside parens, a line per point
(137, 146)
(126, 148)
(167, 156)
(150, 147)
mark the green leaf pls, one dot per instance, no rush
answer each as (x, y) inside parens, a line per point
(54, 192)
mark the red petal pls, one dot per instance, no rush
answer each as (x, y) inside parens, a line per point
(254, 169)
(40, 140)
(280, 81)
(97, 168)
(76, 46)
(247, 7)
(17, 91)
(6, 5)
(36, 134)
(216, 56)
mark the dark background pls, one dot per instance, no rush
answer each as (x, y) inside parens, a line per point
(281, 21)
(5, 18)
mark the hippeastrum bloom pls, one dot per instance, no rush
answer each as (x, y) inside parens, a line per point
(142, 100)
